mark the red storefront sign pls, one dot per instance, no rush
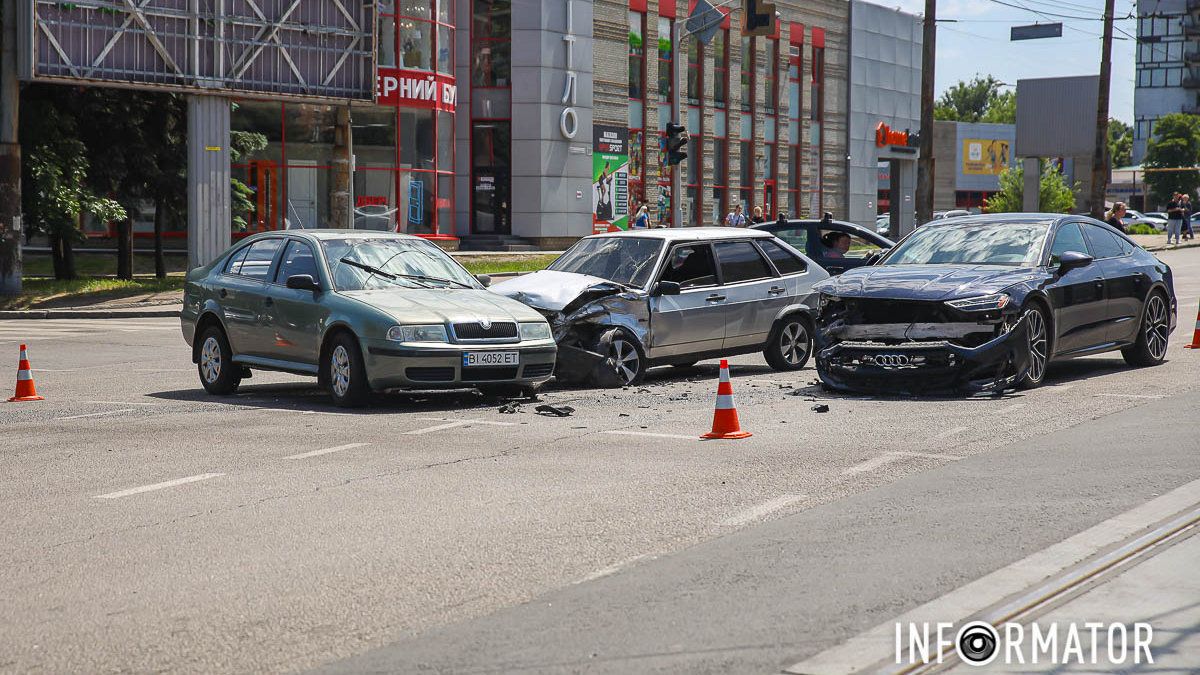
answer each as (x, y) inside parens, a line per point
(415, 89)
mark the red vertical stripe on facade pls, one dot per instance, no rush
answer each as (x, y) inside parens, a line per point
(726, 23)
(796, 33)
(818, 38)
(666, 8)
(637, 5)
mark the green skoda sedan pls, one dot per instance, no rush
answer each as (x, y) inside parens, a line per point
(363, 312)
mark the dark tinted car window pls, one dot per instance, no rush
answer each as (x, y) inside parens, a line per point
(796, 236)
(258, 260)
(1104, 244)
(235, 261)
(741, 261)
(1068, 238)
(785, 261)
(297, 259)
(690, 266)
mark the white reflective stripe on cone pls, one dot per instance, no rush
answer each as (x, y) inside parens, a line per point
(725, 371)
(24, 375)
(724, 401)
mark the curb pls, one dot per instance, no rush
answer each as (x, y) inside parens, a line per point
(88, 313)
(1163, 247)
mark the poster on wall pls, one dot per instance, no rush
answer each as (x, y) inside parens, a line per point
(985, 156)
(610, 178)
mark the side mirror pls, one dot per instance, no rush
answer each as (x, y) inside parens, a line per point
(1071, 260)
(484, 279)
(666, 288)
(303, 282)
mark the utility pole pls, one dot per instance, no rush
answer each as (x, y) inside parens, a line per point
(925, 167)
(10, 155)
(1100, 152)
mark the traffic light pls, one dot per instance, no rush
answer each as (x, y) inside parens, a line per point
(758, 17)
(677, 140)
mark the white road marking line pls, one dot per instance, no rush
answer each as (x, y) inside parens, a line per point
(619, 432)
(889, 457)
(761, 511)
(950, 432)
(450, 419)
(438, 427)
(99, 414)
(326, 451)
(611, 569)
(1061, 387)
(158, 486)
(159, 370)
(1010, 409)
(123, 402)
(877, 644)
(1131, 395)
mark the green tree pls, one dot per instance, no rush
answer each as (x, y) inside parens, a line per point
(242, 144)
(1055, 195)
(1120, 143)
(979, 100)
(1175, 145)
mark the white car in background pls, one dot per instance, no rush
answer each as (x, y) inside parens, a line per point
(1138, 218)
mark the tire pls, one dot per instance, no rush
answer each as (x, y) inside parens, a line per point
(625, 354)
(790, 343)
(1151, 346)
(1039, 346)
(218, 373)
(346, 374)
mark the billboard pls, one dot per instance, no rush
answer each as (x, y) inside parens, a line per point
(308, 49)
(985, 156)
(610, 178)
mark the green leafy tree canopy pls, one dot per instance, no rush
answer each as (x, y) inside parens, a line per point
(1175, 145)
(1055, 195)
(1120, 143)
(979, 100)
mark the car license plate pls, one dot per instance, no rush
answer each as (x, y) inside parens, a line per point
(491, 359)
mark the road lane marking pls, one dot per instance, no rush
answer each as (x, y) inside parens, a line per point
(889, 457)
(950, 432)
(123, 403)
(99, 414)
(1010, 409)
(326, 451)
(761, 511)
(620, 432)
(612, 569)
(1131, 395)
(450, 419)
(1061, 387)
(158, 486)
(438, 427)
(865, 650)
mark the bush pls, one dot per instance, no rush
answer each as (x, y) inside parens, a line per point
(1140, 228)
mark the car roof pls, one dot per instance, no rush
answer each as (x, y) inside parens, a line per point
(688, 233)
(987, 218)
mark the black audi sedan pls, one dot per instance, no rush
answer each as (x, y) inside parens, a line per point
(985, 303)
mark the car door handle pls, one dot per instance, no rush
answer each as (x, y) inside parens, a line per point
(715, 298)
(224, 293)
(776, 290)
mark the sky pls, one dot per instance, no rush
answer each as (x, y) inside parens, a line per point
(977, 42)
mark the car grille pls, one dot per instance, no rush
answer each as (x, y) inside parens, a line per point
(489, 373)
(476, 331)
(870, 311)
(430, 374)
(538, 370)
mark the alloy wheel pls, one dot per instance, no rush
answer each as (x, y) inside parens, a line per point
(626, 358)
(210, 359)
(339, 371)
(1156, 327)
(1038, 345)
(793, 342)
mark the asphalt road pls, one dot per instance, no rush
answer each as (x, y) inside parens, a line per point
(149, 526)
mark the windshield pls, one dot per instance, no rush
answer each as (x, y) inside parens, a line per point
(414, 263)
(996, 243)
(626, 260)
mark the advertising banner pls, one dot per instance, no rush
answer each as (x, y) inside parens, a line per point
(415, 89)
(610, 178)
(985, 156)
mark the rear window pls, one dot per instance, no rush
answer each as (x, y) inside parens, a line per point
(257, 261)
(785, 261)
(1104, 243)
(741, 261)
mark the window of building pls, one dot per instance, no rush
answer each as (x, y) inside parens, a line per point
(491, 114)
(666, 92)
(795, 150)
(771, 121)
(637, 110)
(720, 135)
(491, 43)
(817, 115)
(748, 102)
(694, 212)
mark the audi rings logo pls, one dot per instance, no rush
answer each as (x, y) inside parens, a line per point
(977, 643)
(892, 360)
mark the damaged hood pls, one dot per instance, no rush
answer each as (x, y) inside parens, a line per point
(550, 290)
(442, 305)
(925, 282)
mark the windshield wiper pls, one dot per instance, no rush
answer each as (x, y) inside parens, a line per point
(419, 277)
(389, 275)
(368, 268)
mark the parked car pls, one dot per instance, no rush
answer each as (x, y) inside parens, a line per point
(985, 303)
(1135, 218)
(362, 311)
(814, 238)
(883, 224)
(953, 213)
(623, 302)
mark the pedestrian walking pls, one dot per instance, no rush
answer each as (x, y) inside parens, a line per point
(1188, 210)
(1174, 218)
(1114, 216)
(642, 220)
(736, 218)
(826, 218)
(757, 218)
(782, 219)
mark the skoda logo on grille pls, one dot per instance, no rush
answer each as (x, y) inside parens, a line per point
(892, 360)
(486, 323)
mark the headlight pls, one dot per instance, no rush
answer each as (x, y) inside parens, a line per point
(983, 303)
(433, 333)
(535, 331)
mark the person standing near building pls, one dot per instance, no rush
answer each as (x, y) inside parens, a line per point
(757, 218)
(1174, 218)
(736, 218)
(642, 220)
(1114, 217)
(1188, 210)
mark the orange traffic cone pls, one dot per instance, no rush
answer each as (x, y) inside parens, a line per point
(725, 417)
(1196, 335)
(25, 389)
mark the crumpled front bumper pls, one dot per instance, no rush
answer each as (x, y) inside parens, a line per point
(924, 366)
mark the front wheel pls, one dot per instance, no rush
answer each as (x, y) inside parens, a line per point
(1151, 346)
(625, 359)
(347, 374)
(218, 373)
(1039, 347)
(790, 344)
